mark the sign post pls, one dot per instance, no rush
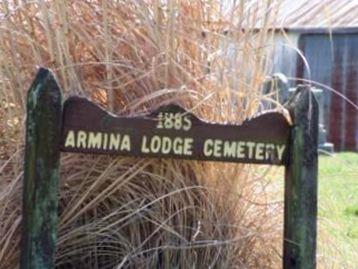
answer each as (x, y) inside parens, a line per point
(168, 132)
(41, 173)
(300, 213)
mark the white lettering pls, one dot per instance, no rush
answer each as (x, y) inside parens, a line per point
(188, 146)
(217, 148)
(240, 152)
(259, 154)
(114, 140)
(187, 123)
(155, 144)
(229, 149)
(250, 146)
(280, 150)
(126, 143)
(105, 141)
(81, 139)
(208, 147)
(269, 151)
(178, 146)
(166, 145)
(144, 147)
(70, 139)
(94, 140)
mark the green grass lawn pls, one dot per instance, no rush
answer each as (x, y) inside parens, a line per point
(338, 209)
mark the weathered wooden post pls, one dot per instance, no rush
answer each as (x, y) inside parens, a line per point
(300, 220)
(41, 172)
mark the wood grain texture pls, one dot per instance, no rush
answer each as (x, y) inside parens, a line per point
(41, 172)
(300, 218)
(260, 137)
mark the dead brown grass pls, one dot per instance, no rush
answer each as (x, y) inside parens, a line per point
(132, 56)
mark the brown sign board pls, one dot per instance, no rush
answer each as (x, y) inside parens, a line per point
(173, 132)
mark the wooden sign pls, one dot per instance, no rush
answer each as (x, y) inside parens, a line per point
(172, 132)
(169, 132)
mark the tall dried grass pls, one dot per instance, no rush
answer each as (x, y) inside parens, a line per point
(130, 57)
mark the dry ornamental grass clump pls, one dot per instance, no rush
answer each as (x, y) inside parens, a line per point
(130, 57)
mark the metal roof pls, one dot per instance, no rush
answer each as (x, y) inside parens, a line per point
(317, 14)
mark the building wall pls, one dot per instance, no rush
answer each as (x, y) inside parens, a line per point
(333, 61)
(330, 59)
(285, 55)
